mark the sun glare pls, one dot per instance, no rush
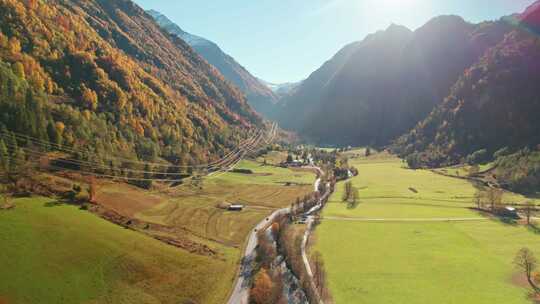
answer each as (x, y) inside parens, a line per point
(405, 12)
(394, 5)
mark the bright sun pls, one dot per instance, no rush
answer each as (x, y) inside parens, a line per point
(396, 9)
(396, 3)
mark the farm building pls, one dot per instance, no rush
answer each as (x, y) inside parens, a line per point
(509, 212)
(236, 207)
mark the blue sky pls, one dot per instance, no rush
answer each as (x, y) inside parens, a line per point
(285, 40)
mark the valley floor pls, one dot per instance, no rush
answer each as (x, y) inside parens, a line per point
(56, 253)
(398, 243)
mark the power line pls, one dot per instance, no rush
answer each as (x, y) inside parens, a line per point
(125, 160)
(250, 147)
(232, 166)
(96, 165)
(71, 150)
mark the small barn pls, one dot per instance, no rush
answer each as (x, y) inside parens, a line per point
(510, 212)
(236, 207)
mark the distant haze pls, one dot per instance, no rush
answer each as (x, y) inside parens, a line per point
(284, 41)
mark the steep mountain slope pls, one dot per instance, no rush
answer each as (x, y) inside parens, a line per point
(113, 83)
(357, 102)
(282, 89)
(294, 109)
(390, 81)
(531, 17)
(494, 104)
(257, 93)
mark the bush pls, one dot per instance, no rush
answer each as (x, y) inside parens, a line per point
(520, 172)
(477, 157)
(413, 161)
(242, 171)
(502, 152)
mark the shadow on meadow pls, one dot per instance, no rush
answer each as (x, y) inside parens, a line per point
(534, 228)
(65, 202)
(352, 205)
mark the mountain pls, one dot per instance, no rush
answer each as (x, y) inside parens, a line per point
(356, 105)
(172, 28)
(531, 17)
(493, 105)
(294, 110)
(282, 89)
(102, 78)
(374, 90)
(261, 97)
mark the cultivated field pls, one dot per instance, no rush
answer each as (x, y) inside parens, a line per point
(405, 255)
(196, 209)
(274, 157)
(53, 253)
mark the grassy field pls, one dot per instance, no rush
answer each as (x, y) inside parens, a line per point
(423, 262)
(274, 157)
(356, 152)
(53, 253)
(196, 209)
(463, 170)
(59, 254)
(266, 175)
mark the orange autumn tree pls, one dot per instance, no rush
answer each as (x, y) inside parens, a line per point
(275, 229)
(89, 98)
(92, 190)
(112, 97)
(261, 293)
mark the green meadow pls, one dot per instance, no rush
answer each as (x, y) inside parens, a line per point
(265, 175)
(267, 188)
(421, 261)
(59, 254)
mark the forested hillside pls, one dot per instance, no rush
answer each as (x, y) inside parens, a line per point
(357, 104)
(102, 77)
(257, 93)
(296, 107)
(377, 89)
(494, 105)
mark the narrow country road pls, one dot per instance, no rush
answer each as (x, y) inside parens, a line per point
(240, 294)
(304, 245)
(307, 234)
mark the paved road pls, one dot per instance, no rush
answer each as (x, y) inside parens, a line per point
(240, 294)
(304, 245)
(307, 234)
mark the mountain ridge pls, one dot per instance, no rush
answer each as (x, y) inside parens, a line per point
(492, 106)
(420, 71)
(261, 97)
(114, 83)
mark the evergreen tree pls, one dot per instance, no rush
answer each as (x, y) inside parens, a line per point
(54, 133)
(11, 143)
(147, 183)
(30, 114)
(19, 160)
(4, 157)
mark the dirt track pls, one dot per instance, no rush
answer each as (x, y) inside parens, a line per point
(459, 219)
